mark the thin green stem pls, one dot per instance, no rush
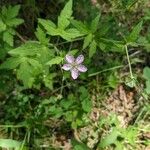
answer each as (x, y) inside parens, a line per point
(129, 63)
(78, 39)
(13, 126)
(113, 68)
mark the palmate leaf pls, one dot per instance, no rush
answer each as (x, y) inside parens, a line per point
(27, 69)
(65, 15)
(63, 22)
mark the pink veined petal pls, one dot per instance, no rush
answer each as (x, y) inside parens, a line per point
(70, 59)
(79, 59)
(82, 68)
(66, 67)
(74, 73)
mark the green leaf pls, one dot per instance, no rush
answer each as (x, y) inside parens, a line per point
(9, 143)
(2, 26)
(11, 63)
(71, 34)
(65, 15)
(87, 40)
(56, 60)
(48, 80)
(8, 38)
(66, 103)
(73, 52)
(130, 134)
(49, 26)
(109, 139)
(146, 73)
(14, 22)
(79, 146)
(34, 63)
(135, 33)
(4, 11)
(86, 105)
(113, 80)
(94, 24)
(80, 26)
(12, 12)
(41, 36)
(24, 73)
(45, 54)
(92, 49)
(30, 48)
(148, 86)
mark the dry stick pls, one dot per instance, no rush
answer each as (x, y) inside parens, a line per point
(21, 38)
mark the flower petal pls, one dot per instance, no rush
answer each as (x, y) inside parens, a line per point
(74, 73)
(79, 59)
(66, 67)
(82, 68)
(70, 59)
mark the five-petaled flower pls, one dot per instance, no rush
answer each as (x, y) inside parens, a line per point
(74, 65)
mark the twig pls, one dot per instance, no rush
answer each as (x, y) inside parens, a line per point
(21, 38)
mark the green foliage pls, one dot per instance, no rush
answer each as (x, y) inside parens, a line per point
(65, 16)
(56, 60)
(79, 146)
(89, 32)
(9, 143)
(29, 60)
(109, 139)
(38, 97)
(41, 36)
(61, 29)
(8, 23)
(133, 36)
(146, 75)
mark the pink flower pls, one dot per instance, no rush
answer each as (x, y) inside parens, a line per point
(74, 65)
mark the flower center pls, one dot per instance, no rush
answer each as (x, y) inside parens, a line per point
(74, 65)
